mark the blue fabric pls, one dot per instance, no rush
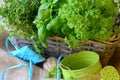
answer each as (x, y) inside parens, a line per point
(58, 69)
(24, 53)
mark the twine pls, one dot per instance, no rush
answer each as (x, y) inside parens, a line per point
(24, 53)
(58, 62)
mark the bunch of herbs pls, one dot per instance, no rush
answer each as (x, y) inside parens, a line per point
(19, 16)
(76, 20)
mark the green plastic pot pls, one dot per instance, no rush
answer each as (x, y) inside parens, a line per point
(79, 66)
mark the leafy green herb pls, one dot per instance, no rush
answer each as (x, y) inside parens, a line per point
(52, 73)
(90, 20)
(42, 34)
(47, 14)
(19, 16)
(83, 19)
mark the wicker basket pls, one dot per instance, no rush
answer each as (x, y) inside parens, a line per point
(56, 46)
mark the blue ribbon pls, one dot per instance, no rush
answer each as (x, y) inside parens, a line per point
(16, 66)
(58, 69)
(24, 53)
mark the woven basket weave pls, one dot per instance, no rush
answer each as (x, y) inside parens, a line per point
(56, 46)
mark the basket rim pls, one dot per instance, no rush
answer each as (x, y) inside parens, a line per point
(113, 40)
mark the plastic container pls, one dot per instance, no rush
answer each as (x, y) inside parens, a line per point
(81, 66)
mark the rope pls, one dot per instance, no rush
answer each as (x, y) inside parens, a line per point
(58, 70)
(24, 53)
(16, 66)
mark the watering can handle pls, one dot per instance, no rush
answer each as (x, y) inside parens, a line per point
(58, 69)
